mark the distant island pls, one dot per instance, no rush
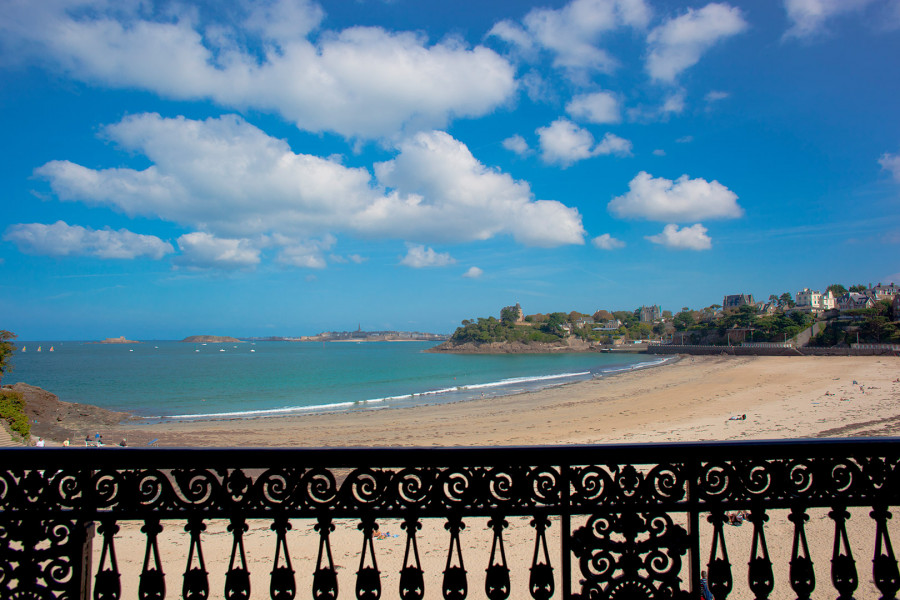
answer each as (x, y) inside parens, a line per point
(210, 339)
(119, 340)
(374, 336)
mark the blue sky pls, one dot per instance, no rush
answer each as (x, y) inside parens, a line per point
(287, 167)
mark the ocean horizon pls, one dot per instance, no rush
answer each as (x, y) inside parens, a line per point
(174, 380)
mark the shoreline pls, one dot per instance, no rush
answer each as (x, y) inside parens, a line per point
(688, 400)
(407, 401)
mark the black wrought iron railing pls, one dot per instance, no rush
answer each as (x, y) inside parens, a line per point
(618, 521)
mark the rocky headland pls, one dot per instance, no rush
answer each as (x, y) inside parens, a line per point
(566, 345)
(53, 419)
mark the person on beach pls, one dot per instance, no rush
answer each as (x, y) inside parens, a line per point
(40, 442)
(66, 442)
(705, 594)
(87, 440)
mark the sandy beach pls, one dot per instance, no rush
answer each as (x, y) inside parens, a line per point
(690, 400)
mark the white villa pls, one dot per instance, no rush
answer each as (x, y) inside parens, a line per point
(814, 301)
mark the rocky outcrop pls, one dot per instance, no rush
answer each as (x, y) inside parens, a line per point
(118, 340)
(211, 339)
(54, 419)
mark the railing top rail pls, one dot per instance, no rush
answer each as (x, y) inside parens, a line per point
(161, 458)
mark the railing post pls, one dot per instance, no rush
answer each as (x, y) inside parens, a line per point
(84, 567)
(693, 507)
(565, 525)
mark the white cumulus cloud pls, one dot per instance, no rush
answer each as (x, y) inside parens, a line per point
(808, 17)
(418, 257)
(660, 199)
(225, 177)
(516, 143)
(891, 163)
(200, 250)
(362, 82)
(563, 142)
(305, 253)
(686, 238)
(572, 33)
(473, 273)
(679, 43)
(598, 107)
(62, 239)
(442, 192)
(607, 242)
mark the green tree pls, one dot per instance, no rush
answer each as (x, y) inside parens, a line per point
(555, 322)
(744, 317)
(858, 288)
(785, 300)
(683, 320)
(6, 350)
(836, 289)
(509, 315)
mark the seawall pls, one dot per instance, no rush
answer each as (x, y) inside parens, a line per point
(769, 351)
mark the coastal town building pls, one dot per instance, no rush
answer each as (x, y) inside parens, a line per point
(650, 313)
(768, 308)
(884, 292)
(856, 300)
(814, 301)
(737, 301)
(610, 325)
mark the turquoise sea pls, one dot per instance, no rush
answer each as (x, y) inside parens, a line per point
(177, 380)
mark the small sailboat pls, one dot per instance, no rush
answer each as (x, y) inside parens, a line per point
(24, 348)
(51, 348)
(39, 348)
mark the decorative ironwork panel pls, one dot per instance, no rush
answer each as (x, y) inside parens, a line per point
(627, 516)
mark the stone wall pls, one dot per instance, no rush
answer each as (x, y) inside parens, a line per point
(767, 351)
